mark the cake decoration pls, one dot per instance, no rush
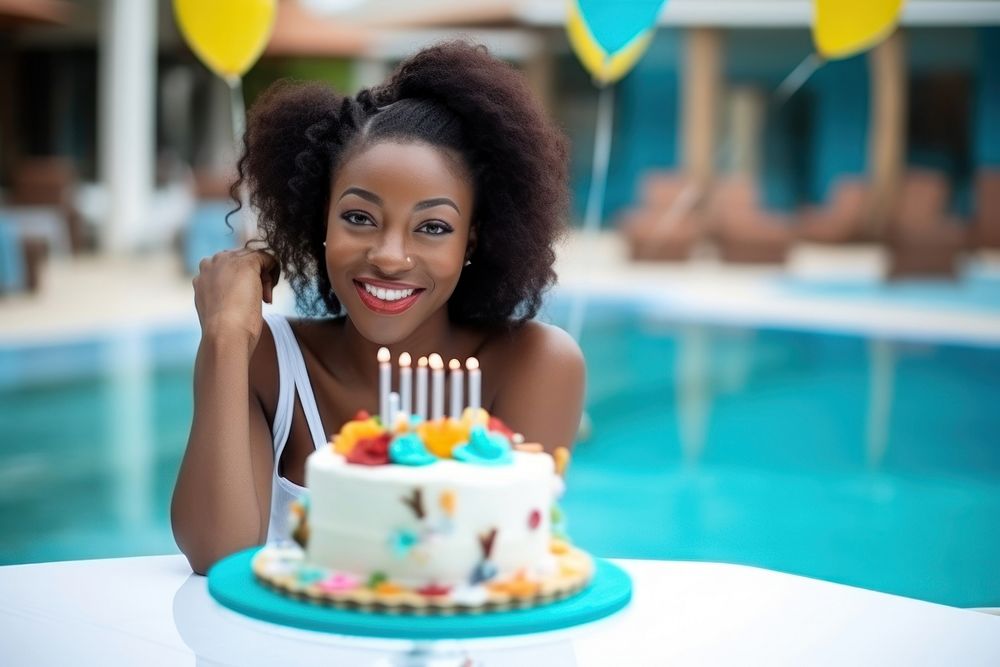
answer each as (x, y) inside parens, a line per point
(484, 448)
(371, 451)
(418, 511)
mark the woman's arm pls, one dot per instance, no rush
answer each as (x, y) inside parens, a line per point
(542, 390)
(221, 500)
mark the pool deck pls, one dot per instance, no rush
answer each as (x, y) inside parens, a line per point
(95, 294)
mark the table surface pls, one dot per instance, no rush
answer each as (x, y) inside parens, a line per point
(153, 611)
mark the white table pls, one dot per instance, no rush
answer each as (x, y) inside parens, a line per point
(153, 611)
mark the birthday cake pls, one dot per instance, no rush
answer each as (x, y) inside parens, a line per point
(415, 511)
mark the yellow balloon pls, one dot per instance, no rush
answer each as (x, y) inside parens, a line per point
(227, 35)
(842, 28)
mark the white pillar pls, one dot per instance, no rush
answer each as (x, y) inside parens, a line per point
(127, 119)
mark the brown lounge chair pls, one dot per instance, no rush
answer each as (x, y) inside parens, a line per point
(745, 233)
(842, 220)
(667, 224)
(49, 182)
(986, 228)
(921, 239)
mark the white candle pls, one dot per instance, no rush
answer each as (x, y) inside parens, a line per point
(393, 409)
(384, 385)
(475, 384)
(437, 386)
(456, 388)
(421, 408)
(405, 384)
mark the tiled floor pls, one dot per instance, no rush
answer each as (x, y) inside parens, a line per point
(92, 294)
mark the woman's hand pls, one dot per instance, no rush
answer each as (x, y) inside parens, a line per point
(228, 291)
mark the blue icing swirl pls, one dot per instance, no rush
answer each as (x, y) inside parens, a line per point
(409, 450)
(484, 448)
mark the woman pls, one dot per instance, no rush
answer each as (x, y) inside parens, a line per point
(420, 216)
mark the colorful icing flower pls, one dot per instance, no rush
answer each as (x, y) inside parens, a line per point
(310, 575)
(447, 501)
(434, 590)
(388, 588)
(519, 587)
(483, 572)
(561, 456)
(353, 431)
(339, 582)
(408, 450)
(534, 519)
(402, 542)
(484, 448)
(442, 436)
(376, 579)
(496, 426)
(478, 417)
(372, 451)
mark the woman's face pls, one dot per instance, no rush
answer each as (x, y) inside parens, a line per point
(397, 235)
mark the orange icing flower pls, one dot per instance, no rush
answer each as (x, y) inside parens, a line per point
(447, 502)
(519, 587)
(388, 588)
(442, 436)
(472, 418)
(353, 431)
(558, 546)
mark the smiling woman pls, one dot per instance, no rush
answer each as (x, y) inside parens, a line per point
(420, 216)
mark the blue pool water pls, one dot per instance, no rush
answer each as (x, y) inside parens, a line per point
(871, 463)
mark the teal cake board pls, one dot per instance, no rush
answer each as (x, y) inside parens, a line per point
(231, 582)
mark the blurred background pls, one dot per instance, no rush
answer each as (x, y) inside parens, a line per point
(787, 288)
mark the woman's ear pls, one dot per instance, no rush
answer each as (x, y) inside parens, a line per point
(470, 247)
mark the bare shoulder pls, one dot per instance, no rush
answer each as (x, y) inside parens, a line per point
(536, 346)
(541, 385)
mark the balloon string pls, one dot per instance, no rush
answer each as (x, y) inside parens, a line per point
(797, 78)
(595, 200)
(239, 116)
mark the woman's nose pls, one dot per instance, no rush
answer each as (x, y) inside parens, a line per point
(389, 255)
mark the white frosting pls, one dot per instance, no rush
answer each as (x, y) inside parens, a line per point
(356, 510)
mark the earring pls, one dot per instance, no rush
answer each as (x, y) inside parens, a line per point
(324, 244)
(408, 260)
(467, 262)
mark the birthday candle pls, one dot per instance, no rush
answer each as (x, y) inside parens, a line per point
(384, 384)
(405, 384)
(421, 408)
(437, 386)
(475, 384)
(456, 388)
(393, 410)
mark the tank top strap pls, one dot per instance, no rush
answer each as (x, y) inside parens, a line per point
(293, 377)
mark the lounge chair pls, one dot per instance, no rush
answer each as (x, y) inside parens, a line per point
(842, 220)
(21, 260)
(41, 196)
(921, 239)
(667, 224)
(745, 233)
(986, 228)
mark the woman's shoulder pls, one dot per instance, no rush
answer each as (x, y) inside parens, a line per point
(535, 347)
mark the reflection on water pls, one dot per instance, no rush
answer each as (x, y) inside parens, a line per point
(868, 462)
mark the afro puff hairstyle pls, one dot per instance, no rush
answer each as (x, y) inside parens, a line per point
(454, 95)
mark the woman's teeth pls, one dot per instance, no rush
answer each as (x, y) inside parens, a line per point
(387, 294)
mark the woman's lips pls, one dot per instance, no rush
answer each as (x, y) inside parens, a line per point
(382, 307)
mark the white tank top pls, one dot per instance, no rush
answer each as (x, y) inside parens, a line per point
(292, 378)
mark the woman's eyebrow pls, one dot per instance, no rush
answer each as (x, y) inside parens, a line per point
(364, 194)
(437, 201)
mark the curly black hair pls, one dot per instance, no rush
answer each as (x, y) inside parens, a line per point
(454, 95)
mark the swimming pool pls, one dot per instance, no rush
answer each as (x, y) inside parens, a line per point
(867, 462)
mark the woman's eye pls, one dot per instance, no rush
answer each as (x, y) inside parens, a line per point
(356, 218)
(434, 228)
